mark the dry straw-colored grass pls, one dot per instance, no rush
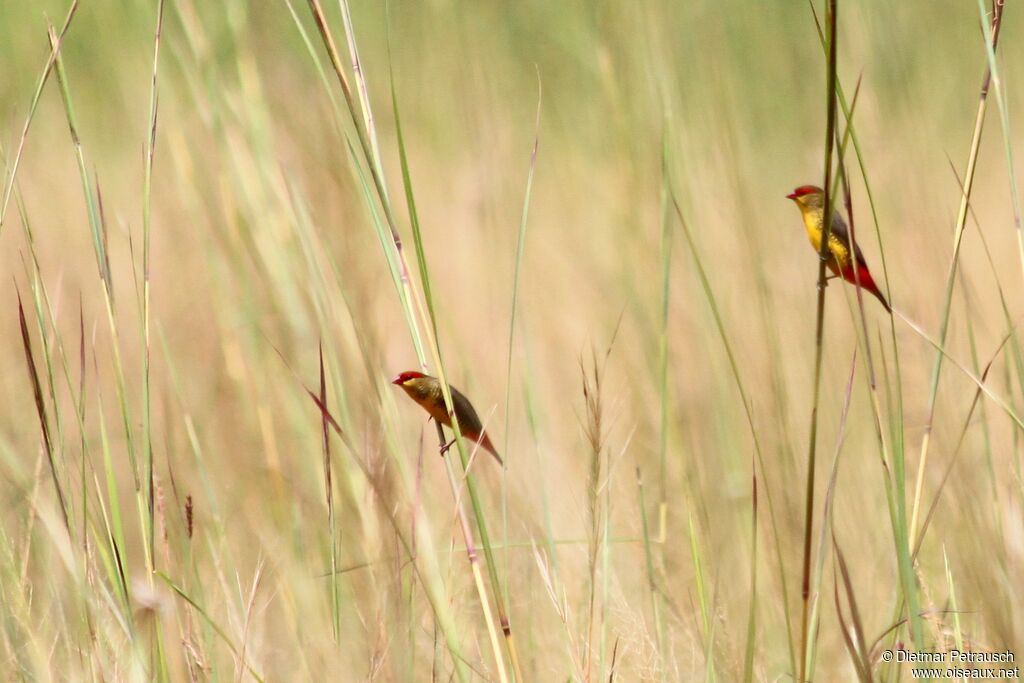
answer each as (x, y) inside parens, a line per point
(621, 554)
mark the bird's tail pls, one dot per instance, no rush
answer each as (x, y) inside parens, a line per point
(881, 297)
(867, 282)
(485, 441)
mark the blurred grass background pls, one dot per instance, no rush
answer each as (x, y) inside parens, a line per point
(262, 242)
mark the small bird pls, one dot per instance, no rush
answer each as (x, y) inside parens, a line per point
(811, 202)
(426, 391)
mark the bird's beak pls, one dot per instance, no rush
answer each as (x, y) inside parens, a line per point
(397, 380)
(791, 195)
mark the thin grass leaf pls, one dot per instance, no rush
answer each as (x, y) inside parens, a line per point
(426, 574)
(147, 227)
(329, 492)
(958, 449)
(709, 653)
(990, 31)
(863, 675)
(47, 69)
(851, 601)
(99, 242)
(961, 222)
(702, 597)
(806, 647)
(113, 526)
(738, 380)
(663, 344)
(221, 633)
(958, 636)
(431, 319)
(520, 251)
(827, 510)
(652, 583)
(751, 642)
(44, 427)
(995, 398)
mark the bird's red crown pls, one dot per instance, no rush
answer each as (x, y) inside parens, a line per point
(406, 376)
(803, 191)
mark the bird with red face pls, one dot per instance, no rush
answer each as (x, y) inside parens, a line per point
(427, 392)
(811, 202)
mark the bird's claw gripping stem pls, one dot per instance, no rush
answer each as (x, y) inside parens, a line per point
(445, 447)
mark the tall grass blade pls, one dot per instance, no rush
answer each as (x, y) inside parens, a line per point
(961, 222)
(329, 492)
(744, 397)
(47, 69)
(44, 426)
(431, 319)
(750, 648)
(652, 582)
(147, 228)
(990, 30)
(830, 127)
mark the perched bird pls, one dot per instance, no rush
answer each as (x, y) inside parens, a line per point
(426, 391)
(811, 202)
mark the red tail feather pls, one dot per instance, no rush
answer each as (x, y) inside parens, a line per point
(485, 441)
(866, 281)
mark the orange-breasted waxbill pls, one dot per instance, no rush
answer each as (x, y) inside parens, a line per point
(811, 202)
(426, 391)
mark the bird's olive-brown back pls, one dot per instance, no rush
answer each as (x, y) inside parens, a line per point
(428, 393)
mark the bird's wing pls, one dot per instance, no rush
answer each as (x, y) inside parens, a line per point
(469, 421)
(839, 230)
